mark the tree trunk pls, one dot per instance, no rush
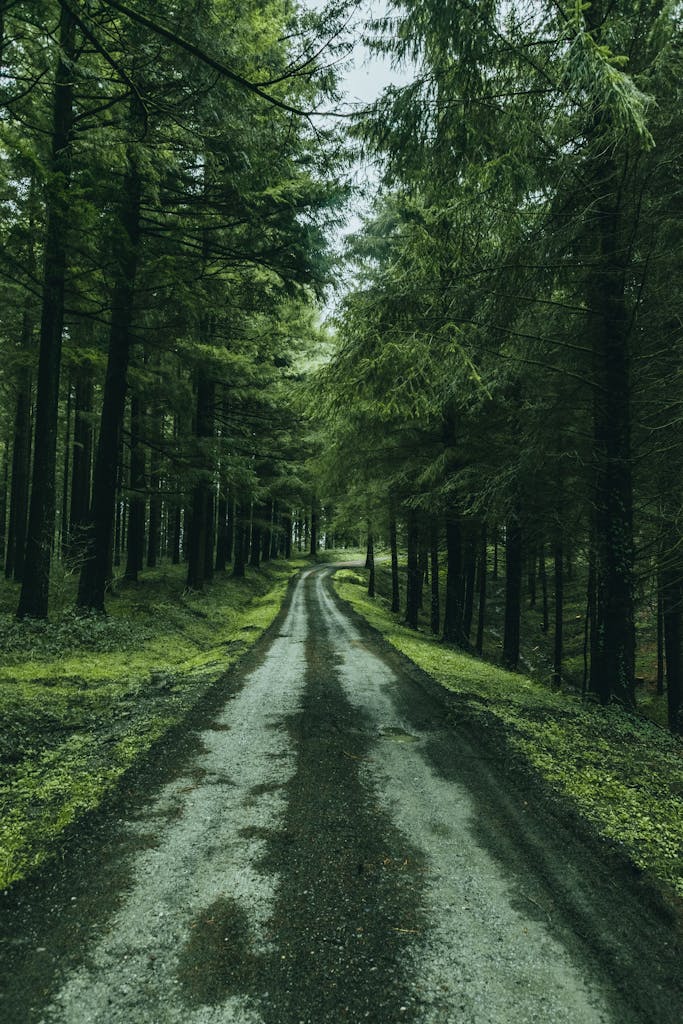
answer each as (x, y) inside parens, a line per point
(413, 590)
(393, 544)
(543, 577)
(660, 638)
(469, 580)
(613, 673)
(241, 528)
(314, 529)
(19, 488)
(558, 563)
(81, 462)
(198, 540)
(672, 602)
(99, 532)
(155, 483)
(136, 502)
(256, 527)
(435, 604)
(452, 622)
(370, 562)
(222, 530)
(35, 587)
(513, 593)
(481, 611)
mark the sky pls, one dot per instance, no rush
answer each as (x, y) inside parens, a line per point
(367, 75)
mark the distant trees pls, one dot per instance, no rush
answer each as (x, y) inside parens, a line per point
(508, 351)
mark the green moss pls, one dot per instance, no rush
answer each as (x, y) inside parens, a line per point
(623, 773)
(92, 694)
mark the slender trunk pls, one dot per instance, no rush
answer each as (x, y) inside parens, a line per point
(314, 529)
(660, 638)
(589, 618)
(452, 622)
(81, 462)
(435, 605)
(176, 531)
(469, 579)
(513, 593)
(155, 482)
(136, 501)
(481, 612)
(19, 488)
(558, 563)
(35, 586)
(395, 588)
(531, 581)
(4, 481)
(613, 675)
(275, 531)
(65, 473)
(543, 577)
(210, 544)
(267, 532)
(256, 527)
(412, 592)
(494, 573)
(241, 528)
(370, 562)
(222, 531)
(288, 535)
(99, 532)
(198, 540)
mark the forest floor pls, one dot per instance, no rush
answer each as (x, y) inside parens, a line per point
(330, 840)
(620, 771)
(84, 698)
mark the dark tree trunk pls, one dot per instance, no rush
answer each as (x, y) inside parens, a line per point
(81, 465)
(423, 578)
(210, 545)
(66, 473)
(19, 489)
(314, 529)
(256, 526)
(588, 628)
(558, 563)
(267, 532)
(613, 673)
(222, 531)
(413, 587)
(275, 531)
(370, 562)
(543, 577)
(481, 612)
(99, 533)
(513, 593)
(288, 535)
(435, 605)
(198, 541)
(35, 587)
(672, 602)
(469, 578)
(155, 482)
(494, 573)
(230, 531)
(452, 622)
(660, 638)
(241, 533)
(176, 530)
(531, 581)
(136, 502)
(395, 588)
(4, 482)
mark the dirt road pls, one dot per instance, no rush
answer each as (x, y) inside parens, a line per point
(330, 845)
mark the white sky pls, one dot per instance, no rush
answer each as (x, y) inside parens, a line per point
(367, 75)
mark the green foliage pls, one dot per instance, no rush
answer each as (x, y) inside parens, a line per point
(622, 773)
(94, 694)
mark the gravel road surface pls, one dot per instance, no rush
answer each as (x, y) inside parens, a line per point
(331, 843)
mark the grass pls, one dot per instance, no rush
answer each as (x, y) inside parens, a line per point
(83, 698)
(620, 771)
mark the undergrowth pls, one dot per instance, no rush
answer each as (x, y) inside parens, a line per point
(623, 773)
(83, 697)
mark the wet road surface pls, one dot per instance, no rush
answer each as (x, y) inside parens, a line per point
(328, 844)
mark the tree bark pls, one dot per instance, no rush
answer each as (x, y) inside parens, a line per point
(558, 563)
(81, 462)
(435, 604)
(35, 587)
(395, 587)
(370, 562)
(481, 611)
(513, 593)
(198, 540)
(452, 622)
(99, 532)
(138, 483)
(241, 533)
(413, 590)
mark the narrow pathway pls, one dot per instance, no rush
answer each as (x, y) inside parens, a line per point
(332, 848)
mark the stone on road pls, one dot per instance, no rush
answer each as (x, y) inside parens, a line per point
(333, 847)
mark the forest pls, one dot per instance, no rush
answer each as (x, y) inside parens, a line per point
(495, 407)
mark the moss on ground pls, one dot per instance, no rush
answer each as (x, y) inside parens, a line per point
(82, 698)
(622, 773)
